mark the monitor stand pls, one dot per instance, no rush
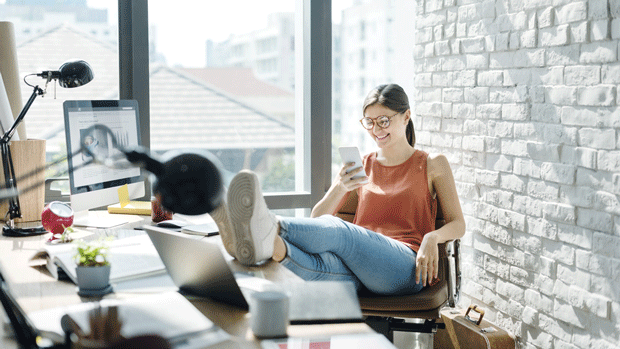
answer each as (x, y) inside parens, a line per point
(98, 219)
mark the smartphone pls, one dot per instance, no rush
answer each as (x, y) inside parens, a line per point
(352, 154)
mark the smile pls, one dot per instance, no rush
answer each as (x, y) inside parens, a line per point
(382, 138)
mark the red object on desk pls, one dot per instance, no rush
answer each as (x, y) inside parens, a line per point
(57, 216)
(158, 212)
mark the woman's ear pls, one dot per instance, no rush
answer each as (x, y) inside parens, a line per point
(407, 116)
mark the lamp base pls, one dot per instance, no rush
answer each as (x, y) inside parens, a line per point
(23, 232)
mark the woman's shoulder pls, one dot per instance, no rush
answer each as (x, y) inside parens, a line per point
(437, 163)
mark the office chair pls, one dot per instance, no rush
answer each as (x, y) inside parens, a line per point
(386, 314)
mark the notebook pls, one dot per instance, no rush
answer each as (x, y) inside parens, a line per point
(198, 267)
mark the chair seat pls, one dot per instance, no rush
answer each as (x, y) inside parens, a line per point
(425, 304)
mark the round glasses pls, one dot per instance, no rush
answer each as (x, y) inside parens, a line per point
(383, 121)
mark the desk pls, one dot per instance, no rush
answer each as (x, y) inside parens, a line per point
(37, 290)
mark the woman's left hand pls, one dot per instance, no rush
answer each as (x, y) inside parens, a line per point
(427, 260)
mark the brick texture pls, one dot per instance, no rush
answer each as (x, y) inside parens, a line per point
(523, 97)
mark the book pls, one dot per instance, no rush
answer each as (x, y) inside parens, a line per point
(206, 229)
(167, 314)
(130, 258)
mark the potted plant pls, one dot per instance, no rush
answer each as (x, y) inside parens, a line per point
(93, 268)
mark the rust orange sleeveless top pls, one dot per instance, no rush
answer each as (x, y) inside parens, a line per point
(396, 202)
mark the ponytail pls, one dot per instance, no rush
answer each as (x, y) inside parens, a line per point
(410, 133)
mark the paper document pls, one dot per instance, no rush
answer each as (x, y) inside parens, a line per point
(168, 314)
(130, 258)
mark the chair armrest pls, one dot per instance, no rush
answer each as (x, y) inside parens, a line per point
(452, 253)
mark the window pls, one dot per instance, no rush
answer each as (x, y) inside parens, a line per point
(250, 109)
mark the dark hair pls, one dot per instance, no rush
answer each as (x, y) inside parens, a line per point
(391, 96)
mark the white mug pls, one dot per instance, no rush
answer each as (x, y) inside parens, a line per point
(269, 314)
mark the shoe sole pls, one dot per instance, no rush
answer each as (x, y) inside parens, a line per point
(241, 207)
(222, 219)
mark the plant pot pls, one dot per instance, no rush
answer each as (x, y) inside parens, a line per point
(93, 280)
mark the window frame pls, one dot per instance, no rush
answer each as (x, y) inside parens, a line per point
(313, 93)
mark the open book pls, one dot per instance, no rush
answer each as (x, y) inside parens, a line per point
(168, 314)
(130, 258)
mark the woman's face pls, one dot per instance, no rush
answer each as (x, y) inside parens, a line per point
(394, 133)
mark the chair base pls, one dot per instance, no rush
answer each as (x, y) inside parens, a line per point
(387, 325)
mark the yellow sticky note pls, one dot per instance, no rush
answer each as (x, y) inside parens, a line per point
(123, 195)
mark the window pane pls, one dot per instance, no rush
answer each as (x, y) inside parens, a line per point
(374, 46)
(50, 33)
(224, 81)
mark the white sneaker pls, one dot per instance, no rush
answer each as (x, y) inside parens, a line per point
(222, 219)
(254, 226)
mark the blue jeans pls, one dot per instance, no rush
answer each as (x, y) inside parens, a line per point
(328, 248)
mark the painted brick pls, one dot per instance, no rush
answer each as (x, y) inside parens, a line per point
(477, 61)
(576, 11)
(543, 190)
(521, 276)
(599, 52)
(511, 219)
(464, 78)
(442, 48)
(605, 244)
(559, 212)
(473, 45)
(510, 290)
(527, 242)
(597, 138)
(518, 59)
(501, 41)
(470, 12)
(443, 79)
(599, 30)
(615, 28)
(547, 76)
(554, 36)
(542, 228)
(544, 284)
(547, 266)
(601, 95)
(452, 95)
(608, 160)
(597, 9)
(512, 21)
(611, 72)
(600, 180)
(488, 111)
(578, 196)
(581, 116)
(569, 314)
(558, 173)
(463, 111)
(514, 41)
(429, 50)
(514, 77)
(545, 17)
(526, 205)
(538, 338)
(514, 147)
(432, 95)
(595, 220)
(473, 143)
(453, 63)
(561, 253)
(543, 151)
(530, 316)
(477, 95)
(563, 55)
(545, 112)
(529, 38)
(561, 95)
(574, 235)
(499, 162)
(561, 331)
(500, 128)
(582, 75)
(579, 32)
(424, 35)
(490, 78)
(560, 134)
(512, 182)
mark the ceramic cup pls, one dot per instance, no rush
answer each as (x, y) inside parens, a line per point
(269, 311)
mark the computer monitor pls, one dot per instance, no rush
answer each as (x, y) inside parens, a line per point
(95, 185)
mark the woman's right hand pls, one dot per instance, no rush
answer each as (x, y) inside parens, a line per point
(345, 179)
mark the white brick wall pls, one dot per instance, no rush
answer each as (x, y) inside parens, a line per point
(523, 97)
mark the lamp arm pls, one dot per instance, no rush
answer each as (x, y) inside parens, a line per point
(9, 134)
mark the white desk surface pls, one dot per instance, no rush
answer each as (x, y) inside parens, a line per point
(35, 289)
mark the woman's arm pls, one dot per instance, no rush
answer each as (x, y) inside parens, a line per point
(342, 184)
(427, 261)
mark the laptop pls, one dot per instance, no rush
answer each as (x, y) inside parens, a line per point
(198, 267)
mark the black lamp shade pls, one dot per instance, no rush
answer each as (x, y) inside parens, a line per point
(75, 74)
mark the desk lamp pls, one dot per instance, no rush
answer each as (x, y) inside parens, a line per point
(70, 74)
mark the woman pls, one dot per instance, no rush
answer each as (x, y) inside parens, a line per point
(392, 246)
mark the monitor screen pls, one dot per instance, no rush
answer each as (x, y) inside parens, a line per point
(95, 185)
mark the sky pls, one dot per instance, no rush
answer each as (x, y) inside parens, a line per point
(184, 26)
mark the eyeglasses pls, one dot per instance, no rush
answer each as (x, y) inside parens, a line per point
(383, 121)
